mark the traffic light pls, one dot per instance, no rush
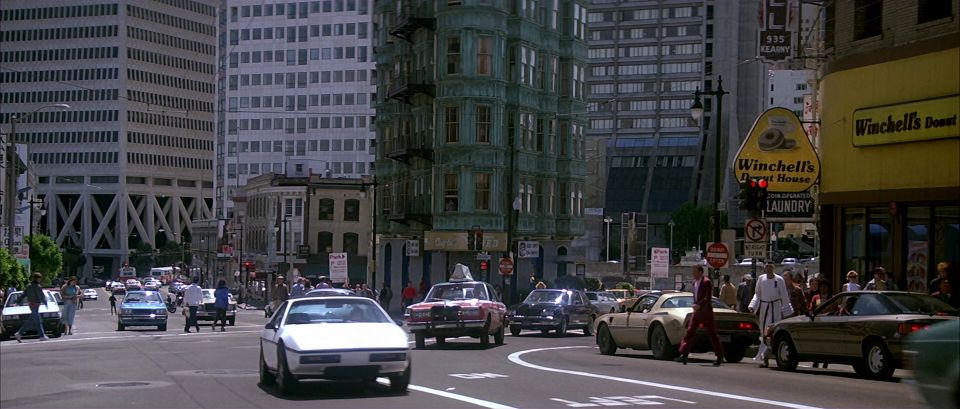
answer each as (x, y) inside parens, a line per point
(744, 197)
(483, 265)
(761, 195)
(479, 240)
(753, 194)
(471, 240)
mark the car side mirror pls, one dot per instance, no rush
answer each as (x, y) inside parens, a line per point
(270, 325)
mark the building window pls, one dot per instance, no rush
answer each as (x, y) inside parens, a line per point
(867, 18)
(351, 243)
(484, 55)
(351, 210)
(482, 189)
(931, 10)
(452, 123)
(483, 124)
(829, 24)
(325, 211)
(324, 242)
(451, 192)
(453, 55)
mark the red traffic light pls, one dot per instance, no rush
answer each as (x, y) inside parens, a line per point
(483, 265)
(762, 183)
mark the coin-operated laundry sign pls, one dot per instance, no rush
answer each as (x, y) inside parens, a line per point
(778, 150)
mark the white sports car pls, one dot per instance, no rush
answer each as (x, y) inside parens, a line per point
(333, 338)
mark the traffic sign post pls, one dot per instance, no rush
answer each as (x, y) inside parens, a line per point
(755, 230)
(755, 250)
(717, 255)
(506, 267)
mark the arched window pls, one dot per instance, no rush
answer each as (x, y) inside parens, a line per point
(351, 243)
(324, 242)
(351, 210)
(325, 211)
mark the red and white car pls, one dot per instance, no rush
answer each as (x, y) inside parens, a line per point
(460, 307)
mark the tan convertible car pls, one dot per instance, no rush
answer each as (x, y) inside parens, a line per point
(657, 321)
(866, 329)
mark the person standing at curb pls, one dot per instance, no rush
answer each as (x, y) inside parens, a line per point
(34, 295)
(192, 298)
(70, 293)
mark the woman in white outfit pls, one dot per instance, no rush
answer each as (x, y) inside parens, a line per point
(771, 300)
(851, 284)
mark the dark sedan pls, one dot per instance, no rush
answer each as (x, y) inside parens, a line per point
(553, 309)
(866, 329)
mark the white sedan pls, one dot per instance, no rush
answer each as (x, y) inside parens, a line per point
(333, 338)
(90, 294)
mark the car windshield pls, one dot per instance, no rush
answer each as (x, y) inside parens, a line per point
(330, 310)
(922, 304)
(457, 291)
(686, 301)
(546, 296)
(150, 298)
(592, 296)
(208, 294)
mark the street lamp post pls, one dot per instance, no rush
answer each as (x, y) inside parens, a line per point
(39, 204)
(608, 220)
(671, 224)
(696, 111)
(11, 174)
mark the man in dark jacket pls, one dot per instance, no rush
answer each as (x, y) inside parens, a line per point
(34, 295)
(745, 293)
(386, 294)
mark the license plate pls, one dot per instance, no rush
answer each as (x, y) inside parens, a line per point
(725, 338)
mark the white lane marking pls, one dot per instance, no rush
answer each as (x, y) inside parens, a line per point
(454, 396)
(515, 358)
(122, 337)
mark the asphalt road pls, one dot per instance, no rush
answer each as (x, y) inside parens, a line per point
(98, 367)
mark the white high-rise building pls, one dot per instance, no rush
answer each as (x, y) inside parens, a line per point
(295, 87)
(130, 163)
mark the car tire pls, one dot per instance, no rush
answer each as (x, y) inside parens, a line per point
(485, 334)
(588, 329)
(562, 330)
(421, 340)
(162, 328)
(56, 333)
(266, 378)
(515, 330)
(232, 321)
(544, 332)
(285, 380)
(878, 362)
(785, 353)
(660, 344)
(734, 353)
(400, 383)
(441, 340)
(120, 327)
(605, 341)
(499, 336)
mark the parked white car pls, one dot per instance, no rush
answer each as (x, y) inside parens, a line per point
(333, 338)
(15, 313)
(789, 261)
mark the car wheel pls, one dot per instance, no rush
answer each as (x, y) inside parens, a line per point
(441, 340)
(562, 330)
(785, 353)
(120, 327)
(515, 330)
(544, 332)
(734, 353)
(266, 378)
(878, 362)
(660, 344)
(588, 329)
(499, 335)
(485, 334)
(285, 380)
(605, 341)
(400, 383)
(57, 332)
(421, 340)
(162, 327)
(233, 321)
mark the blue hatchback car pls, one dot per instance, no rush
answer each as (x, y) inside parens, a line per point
(142, 309)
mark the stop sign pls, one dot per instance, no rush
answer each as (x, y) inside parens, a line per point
(717, 255)
(506, 267)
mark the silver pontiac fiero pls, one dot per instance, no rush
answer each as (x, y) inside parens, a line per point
(333, 338)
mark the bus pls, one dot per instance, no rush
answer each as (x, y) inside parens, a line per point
(164, 274)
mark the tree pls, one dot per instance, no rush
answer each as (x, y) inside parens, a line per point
(12, 273)
(73, 259)
(692, 226)
(142, 257)
(625, 285)
(45, 257)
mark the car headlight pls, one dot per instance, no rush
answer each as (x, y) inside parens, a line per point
(388, 357)
(126, 311)
(419, 314)
(160, 311)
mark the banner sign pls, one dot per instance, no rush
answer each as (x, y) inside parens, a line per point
(660, 262)
(338, 267)
(909, 122)
(775, 36)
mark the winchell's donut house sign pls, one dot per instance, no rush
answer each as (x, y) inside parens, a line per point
(907, 122)
(778, 150)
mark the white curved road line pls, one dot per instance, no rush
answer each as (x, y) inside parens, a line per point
(515, 358)
(454, 396)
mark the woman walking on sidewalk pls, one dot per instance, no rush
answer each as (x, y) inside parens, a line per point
(71, 294)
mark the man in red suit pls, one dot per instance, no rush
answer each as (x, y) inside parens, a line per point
(702, 315)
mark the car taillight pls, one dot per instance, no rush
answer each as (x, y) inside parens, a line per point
(908, 327)
(749, 326)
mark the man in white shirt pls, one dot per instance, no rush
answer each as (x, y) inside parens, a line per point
(771, 300)
(192, 298)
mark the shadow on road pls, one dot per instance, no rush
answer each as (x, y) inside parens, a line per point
(327, 390)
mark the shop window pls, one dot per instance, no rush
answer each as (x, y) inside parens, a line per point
(917, 249)
(868, 241)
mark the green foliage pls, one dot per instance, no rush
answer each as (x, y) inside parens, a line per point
(142, 257)
(73, 260)
(45, 257)
(171, 254)
(11, 272)
(593, 284)
(692, 227)
(625, 285)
